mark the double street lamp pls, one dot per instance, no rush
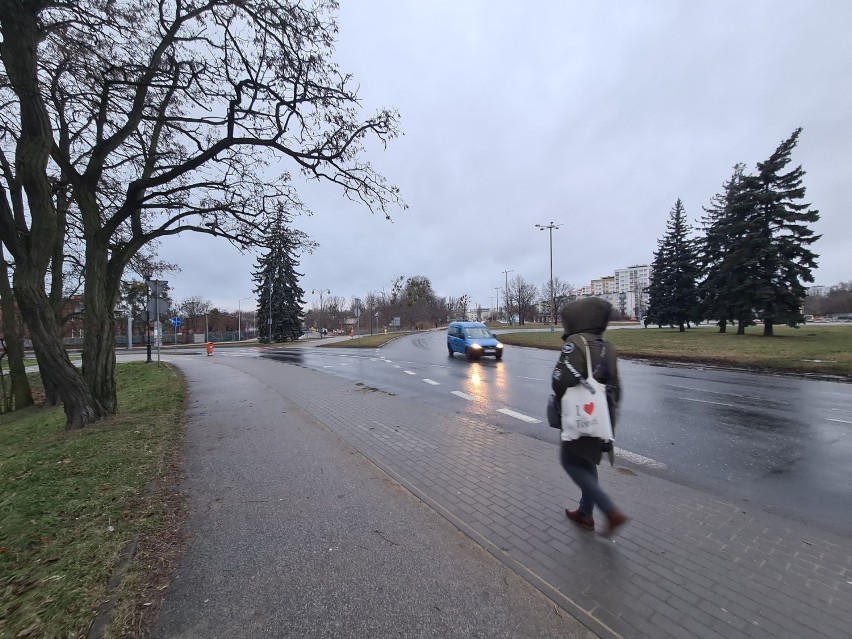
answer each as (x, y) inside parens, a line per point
(321, 292)
(550, 227)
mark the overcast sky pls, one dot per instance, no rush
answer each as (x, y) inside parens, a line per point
(596, 116)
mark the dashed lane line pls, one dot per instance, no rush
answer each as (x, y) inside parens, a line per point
(517, 415)
(431, 381)
(470, 398)
(705, 401)
(410, 373)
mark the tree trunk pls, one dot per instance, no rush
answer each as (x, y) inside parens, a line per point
(682, 328)
(20, 392)
(99, 326)
(52, 396)
(768, 328)
(99, 356)
(81, 408)
(723, 326)
(741, 326)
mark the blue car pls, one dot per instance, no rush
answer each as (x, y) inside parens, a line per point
(473, 340)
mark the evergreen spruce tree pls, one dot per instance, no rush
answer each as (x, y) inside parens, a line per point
(280, 298)
(672, 292)
(781, 220)
(755, 251)
(723, 255)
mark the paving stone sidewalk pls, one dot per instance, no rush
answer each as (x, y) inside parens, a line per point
(686, 565)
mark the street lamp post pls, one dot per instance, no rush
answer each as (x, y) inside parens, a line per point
(550, 228)
(321, 292)
(240, 318)
(506, 273)
(497, 291)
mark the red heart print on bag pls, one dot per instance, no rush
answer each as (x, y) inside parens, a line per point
(589, 408)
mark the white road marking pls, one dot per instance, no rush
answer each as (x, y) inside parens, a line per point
(431, 381)
(842, 421)
(521, 416)
(397, 366)
(238, 353)
(535, 379)
(723, 393)
(463, 395)
(639, 459)
(704, 401)
(410, 373)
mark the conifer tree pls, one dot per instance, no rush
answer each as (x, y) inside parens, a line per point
(280, 298)
(672, 293)
(781, 220)
(723, 253)
(755, 250)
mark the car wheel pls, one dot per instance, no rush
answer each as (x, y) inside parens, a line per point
(450, 350)
(498, 356)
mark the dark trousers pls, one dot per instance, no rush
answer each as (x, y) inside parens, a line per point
(585, 474)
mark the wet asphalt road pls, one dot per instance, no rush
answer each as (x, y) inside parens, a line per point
(781, 443)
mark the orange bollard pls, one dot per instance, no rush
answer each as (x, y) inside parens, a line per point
(209, 348)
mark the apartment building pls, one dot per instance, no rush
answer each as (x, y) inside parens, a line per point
(626, 290)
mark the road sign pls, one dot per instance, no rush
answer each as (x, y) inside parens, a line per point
(157, 287)
(176, 321)
(160, 306)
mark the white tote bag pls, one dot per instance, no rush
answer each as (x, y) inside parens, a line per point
(585, 411)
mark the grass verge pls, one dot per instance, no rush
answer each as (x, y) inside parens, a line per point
(79, 509)
(366, 341)
(817, 349)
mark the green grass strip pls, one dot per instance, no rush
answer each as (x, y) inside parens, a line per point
(70, 501)
(813, 349)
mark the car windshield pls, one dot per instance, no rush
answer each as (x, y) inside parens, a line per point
(477, 332)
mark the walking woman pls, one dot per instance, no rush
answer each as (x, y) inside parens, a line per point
(585, 322)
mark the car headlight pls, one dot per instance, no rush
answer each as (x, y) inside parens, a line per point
(476, 346)
(499, 345)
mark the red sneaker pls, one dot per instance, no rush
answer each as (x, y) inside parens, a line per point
(584, 521)
(614, 521)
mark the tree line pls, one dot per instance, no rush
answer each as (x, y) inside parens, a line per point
(751, 259)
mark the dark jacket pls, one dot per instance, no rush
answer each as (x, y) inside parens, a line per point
(588, 318)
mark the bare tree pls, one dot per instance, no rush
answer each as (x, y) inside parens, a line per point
(559, 294)
(192, 308)
(161, 118)
(524, 295)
